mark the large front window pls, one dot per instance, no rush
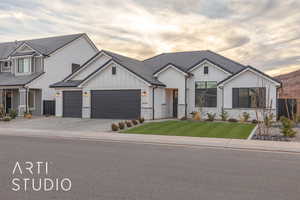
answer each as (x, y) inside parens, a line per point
(249, 97)
(206, 94)
(23, 65)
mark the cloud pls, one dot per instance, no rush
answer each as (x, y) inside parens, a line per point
(262, 33)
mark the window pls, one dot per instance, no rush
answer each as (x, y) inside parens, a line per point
(205, 70)
(23, 65)
(249, 97)
(31, 99)
(206, 94)
(7, 64)
(113, 70)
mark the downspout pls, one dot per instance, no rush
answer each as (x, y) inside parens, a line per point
(26, 100)
(153, 103)
(185, 97)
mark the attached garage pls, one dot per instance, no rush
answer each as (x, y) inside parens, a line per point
(72, 104)
(116, 104)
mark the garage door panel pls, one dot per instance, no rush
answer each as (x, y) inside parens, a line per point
(116, 104)
(72, 104)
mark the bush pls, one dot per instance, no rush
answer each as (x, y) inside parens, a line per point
(224, 115)
(287, 127)
(13, 114)
(254, 121)
(128, 124)
(246, 116)
(121, 125)
(232, 120)
(141, 120)
(114, 127)
(183, 118)
(211, 117)
(298, 119)
(134, 122)
(6, 118)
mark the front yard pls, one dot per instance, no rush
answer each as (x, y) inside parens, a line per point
(195, 129)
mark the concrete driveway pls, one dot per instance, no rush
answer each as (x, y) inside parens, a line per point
(60, 124)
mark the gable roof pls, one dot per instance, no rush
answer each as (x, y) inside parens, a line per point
(45, 46)
(135, 66)
(251, 68)
(189, 59)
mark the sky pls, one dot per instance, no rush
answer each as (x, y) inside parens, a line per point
(262, 33)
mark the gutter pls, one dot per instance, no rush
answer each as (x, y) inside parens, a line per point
(153, 110)
(185, 97)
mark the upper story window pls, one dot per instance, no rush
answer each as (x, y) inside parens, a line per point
(206, 94)
(24, 65)
(248, 97)
(114, 70)
(205, 70)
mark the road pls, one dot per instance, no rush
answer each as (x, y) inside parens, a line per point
(113, 171)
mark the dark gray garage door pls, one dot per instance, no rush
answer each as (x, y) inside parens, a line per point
(116, 104)
(72, 104)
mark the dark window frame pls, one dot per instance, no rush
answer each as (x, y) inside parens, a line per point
(114, 70)
(208, 94)
(252, 99)
(205, 70)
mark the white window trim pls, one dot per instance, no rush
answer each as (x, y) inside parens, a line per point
(30, 65)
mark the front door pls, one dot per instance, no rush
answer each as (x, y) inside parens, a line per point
(8, 102)
(175, 103)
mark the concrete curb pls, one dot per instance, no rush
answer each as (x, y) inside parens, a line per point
(290, 147)
(252, 132)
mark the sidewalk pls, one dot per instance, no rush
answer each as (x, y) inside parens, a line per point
(158, 139)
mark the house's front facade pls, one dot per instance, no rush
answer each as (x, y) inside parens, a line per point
(168, 85)
(28, 67)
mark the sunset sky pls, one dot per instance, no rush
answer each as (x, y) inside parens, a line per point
(261, 33)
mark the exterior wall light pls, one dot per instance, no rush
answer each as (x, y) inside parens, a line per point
(85, 94)
(144, 93)
(57, 94)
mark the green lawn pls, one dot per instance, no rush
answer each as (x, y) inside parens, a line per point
(195, 129)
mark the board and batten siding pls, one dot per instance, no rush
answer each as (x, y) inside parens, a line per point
(91, 67)
(214, 74)
(173, 79)
(248, 79)
(122, 80)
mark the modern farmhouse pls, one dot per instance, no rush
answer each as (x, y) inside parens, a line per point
(169, 85)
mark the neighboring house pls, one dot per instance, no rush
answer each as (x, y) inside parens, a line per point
(169, 85)
(290, 87)
(29, 67)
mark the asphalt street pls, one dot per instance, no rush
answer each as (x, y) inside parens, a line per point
(114, 170)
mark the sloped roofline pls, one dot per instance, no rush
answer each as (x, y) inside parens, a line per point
(167, 66)
(229, 78)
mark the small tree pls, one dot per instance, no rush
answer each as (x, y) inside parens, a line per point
(287, 127)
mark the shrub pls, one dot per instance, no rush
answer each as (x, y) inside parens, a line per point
(224, 115)
(298, 119)
(141, 120)
(128, 124)
(246, 116)
(121, 125)
(183, 118)
(2, 111)
(232, 120)
(6, 118)
(211, 117)
(114, 127)
(287, 127)
(254, 121)
(134, 122)
(269, 120)
(13, 114)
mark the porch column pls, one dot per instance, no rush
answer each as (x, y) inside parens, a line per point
(22, 101)
(1, 98)
(86, 103)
